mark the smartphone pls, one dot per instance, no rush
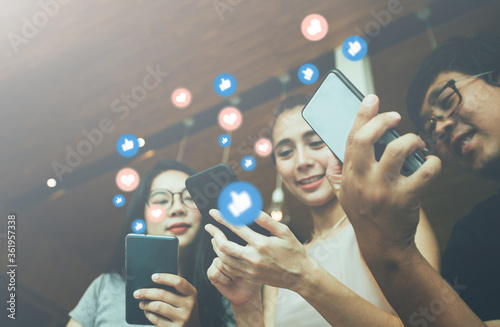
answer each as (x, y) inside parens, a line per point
(144, 256)
(331, 112)
(205, 187)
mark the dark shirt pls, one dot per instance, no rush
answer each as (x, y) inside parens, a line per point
(471, 262)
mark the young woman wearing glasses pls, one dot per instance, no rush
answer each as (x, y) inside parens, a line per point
(197, 303)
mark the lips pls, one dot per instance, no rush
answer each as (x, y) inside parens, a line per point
(179, 228)
(460, 143)
(311, 182)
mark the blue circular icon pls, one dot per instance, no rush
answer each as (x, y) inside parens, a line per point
(225, 85)
(248, 163)
(354, 48)
(119, 201)
(240, 203)
(138, 226)
(127, 145)
(308, 73)
(224, 140)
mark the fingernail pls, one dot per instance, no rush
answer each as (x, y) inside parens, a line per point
(155, 276)
(394, 114)
(137, 293)
(141, 305)
(370, 100)
(208, 227)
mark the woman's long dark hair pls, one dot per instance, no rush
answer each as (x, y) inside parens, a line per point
(211, 311)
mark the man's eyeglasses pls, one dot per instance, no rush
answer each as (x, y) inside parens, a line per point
(165, 198)
(446, 99)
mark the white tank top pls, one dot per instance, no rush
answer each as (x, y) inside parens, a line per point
(341, 257)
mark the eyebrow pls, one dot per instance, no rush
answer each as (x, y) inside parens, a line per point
(287, 140)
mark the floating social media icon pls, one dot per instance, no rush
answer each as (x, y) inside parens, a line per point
(225, 85)
(119, 201)
(224, 140)
(308, 73)
(314, 27)
(156, 212)
(240, 203)
(138, 226)
(248, 163)
(230, 118)
(127, 145)
(181, 97)
(263, 147)
(354, 48)
(127, 179)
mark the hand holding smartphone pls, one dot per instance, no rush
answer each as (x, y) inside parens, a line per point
(144, 256)
(331, 112)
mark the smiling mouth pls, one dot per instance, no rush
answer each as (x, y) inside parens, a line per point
(310, 180)
(460, 144)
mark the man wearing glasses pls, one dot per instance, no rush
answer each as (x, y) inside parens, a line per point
(454, 99)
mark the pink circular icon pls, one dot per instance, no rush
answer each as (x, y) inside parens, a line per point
(263, 147)
(181, 97)
(230, 118)
(127, 179)
(314, 27)
(156, 213)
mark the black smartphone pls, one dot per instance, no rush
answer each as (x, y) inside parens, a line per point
(205, 187)
(331, 112)
(144, 256)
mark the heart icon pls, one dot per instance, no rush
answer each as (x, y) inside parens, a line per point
(181, 97)
(230, 119)
(314, 27)
(127, 179)
(263, 147)
(156, 213)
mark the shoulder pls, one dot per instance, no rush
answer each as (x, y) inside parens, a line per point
(482, 222)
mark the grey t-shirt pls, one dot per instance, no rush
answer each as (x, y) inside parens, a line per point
(103, 304)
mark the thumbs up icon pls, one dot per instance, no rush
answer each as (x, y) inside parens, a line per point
(354, 48)
(240, 203)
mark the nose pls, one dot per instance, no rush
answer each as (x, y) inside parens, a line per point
(177, 209)
(303, 161)
(445, 127)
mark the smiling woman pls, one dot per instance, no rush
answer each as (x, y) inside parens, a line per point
(103, 304)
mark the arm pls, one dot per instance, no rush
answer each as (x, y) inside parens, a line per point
(270, 295)
(73, 323)
(383, 207)
(281, 261)
(426, 242)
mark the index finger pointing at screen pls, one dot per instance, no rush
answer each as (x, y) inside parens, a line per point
(242, 231)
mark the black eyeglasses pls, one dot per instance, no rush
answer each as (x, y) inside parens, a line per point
(446, 99)
(165, 198)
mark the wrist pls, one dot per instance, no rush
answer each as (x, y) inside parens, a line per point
(392, 260)
(309, 278)
(254, 303)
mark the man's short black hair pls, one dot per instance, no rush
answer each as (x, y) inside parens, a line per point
(467, 55)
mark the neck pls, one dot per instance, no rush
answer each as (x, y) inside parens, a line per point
(326, 216)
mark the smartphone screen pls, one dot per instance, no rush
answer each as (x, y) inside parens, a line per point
(331, 112)
(205, 188)
(144, 256)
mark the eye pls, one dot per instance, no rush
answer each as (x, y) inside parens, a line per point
(315, 144)
(449, 101)
(284, 153)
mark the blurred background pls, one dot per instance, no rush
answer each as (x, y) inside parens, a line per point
(65, 65)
